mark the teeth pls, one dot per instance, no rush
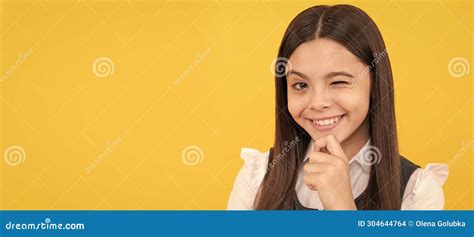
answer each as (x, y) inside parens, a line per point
(326, 122)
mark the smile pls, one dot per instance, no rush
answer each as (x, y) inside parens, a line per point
(326, 123)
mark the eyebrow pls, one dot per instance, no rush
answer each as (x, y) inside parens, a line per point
(329, 75)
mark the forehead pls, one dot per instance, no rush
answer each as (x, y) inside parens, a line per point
(321, 56)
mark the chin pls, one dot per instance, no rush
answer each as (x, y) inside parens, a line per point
(340, 137)
(339, 132)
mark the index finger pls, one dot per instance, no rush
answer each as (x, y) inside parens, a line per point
(331, 144)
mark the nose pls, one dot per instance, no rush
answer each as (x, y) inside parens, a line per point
(320, 99)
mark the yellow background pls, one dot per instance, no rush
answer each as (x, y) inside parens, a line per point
(196, 74)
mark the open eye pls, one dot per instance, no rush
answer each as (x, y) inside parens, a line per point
(300, 85)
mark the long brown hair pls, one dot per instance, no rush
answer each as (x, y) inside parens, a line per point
(354, 29)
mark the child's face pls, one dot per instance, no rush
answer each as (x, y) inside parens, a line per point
(328, 89)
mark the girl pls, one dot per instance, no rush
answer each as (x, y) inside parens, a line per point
(336, 142)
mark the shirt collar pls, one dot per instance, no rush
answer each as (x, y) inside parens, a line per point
(359, 157)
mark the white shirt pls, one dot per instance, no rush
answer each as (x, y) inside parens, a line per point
(423, 191)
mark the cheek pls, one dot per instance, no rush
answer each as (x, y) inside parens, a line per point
(296, 105)
(356, 104)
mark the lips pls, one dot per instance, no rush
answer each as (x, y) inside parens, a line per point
(326, 123)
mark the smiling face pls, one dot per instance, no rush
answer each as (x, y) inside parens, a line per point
(329, 91)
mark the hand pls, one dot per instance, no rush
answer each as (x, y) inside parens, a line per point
(328, 173)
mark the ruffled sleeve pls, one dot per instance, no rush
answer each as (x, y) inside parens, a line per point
(424, 190)
(248, 179)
